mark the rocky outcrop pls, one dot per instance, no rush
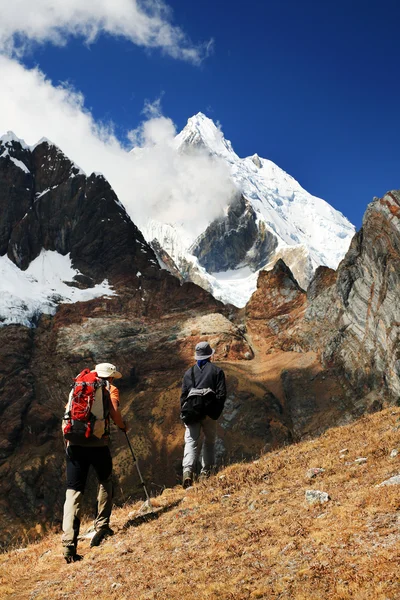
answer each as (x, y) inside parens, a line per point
(47, 203)
(297, 258)
(231, 239)
(275, 308)
(278, 293)
(165, 259)
(368, 290)
(352, 315)
(348, 318)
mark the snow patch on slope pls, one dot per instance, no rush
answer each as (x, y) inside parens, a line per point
(234, 286)
(20, 164)
(25, 295)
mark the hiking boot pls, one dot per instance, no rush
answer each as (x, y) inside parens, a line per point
(100, 535)
(187, 480)
(204, 474)
(70, 554)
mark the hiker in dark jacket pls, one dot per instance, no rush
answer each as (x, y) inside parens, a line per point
(95, 452)
(204, 374)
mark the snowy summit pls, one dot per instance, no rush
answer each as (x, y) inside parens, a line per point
(277, 218)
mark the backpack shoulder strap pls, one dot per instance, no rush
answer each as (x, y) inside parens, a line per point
(192, 376)
(106, 400)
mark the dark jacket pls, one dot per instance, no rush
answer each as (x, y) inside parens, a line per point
(210, 376)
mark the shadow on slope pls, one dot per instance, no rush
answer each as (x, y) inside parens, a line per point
(150, 516)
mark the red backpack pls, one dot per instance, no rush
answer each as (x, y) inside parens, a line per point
(86, 414)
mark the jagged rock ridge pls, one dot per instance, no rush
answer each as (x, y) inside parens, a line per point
(47, 202)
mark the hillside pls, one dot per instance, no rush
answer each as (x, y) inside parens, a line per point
(246, 533)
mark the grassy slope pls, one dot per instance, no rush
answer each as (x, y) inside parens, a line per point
(246, 533)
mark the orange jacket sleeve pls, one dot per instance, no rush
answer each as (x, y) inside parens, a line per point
(115, 413)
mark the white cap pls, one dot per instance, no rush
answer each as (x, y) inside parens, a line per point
(107, 370)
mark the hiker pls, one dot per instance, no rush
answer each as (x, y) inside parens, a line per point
(87, 443)
(202, 401)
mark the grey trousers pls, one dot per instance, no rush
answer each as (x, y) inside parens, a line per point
(73, 509)
(192, 447)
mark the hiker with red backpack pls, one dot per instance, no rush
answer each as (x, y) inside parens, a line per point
(86, 429)
(202, 401)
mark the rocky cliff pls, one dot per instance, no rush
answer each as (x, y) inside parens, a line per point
(295, 362)
(349, 318)
(366, 307)
(234, 240)
(46, 202)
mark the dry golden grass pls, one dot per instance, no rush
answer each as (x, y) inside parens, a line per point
(246, 533)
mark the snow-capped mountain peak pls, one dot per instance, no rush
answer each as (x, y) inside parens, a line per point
(272, 216)
(18, 151)
(8, 138)
(202, 133)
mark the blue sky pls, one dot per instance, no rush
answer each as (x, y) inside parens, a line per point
(312, 85)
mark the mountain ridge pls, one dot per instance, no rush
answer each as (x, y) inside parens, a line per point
(283, 210)
(301, 228)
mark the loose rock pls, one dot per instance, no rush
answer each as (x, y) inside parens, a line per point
(115, 586)
(316, 497)
(395, 480)
(312, 473)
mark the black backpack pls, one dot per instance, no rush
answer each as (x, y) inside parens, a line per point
(200, 403)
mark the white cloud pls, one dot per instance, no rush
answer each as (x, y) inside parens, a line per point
(188, 189)
(153, 181)
(156, 129)
(146, 23)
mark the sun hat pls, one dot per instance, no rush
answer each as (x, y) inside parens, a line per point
(107, 370)
(203, 350)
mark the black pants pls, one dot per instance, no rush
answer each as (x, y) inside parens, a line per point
(79, 460)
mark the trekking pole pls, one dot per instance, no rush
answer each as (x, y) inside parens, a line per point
(138, 470)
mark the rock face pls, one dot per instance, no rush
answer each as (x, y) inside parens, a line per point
(46, 202)
(355, 312)
(348, 321)
(275, 307)
(368, 286)
(235, 239)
